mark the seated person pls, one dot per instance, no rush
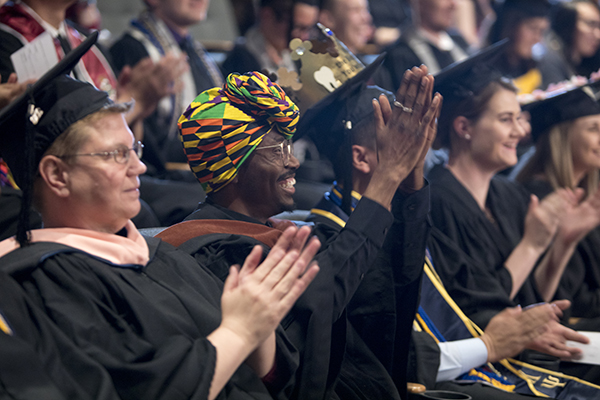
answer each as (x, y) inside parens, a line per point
(524, 23)
(163, 29)
(485, 217)
(246, 166)
(264, 47)
(429, 39)
(160, 324)
(566, 130)
(575, 36)
(435, 364)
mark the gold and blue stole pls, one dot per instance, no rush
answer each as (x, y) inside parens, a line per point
(330, 206)
(441, 317)
(4, 326)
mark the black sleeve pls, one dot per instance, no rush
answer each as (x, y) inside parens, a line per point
(347, 256)
(477, 292)
(127, 51)
(38, 361)
(8, 45)
(107, 314)
(424, 359)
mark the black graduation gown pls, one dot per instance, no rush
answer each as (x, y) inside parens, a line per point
(469, 251)
(317, 324)
(37, 361)
(146, 325)
(580, 282)
(383, 308)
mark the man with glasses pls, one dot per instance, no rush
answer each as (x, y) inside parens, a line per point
(238, 142)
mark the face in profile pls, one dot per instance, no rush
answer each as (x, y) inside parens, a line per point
(528, 33)
(265, 183)
(586, 40)
(584, 136)
(105, 192)
(351, 22)
(304, 17)
(497, 132)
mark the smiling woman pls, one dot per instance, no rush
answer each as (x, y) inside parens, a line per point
(484, 217)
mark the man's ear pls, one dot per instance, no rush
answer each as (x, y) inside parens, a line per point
(362, 159)
(462, 127)
(55, 174)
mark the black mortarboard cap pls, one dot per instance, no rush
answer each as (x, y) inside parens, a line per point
(561, 107)
(467, 78)
(32, 122)
(464, 78)
(319, 119)
(529, 8)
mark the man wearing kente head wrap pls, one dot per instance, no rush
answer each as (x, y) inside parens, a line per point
(236, 139)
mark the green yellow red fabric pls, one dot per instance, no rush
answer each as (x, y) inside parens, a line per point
(224, 125)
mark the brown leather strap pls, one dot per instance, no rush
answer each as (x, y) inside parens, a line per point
(180, 233)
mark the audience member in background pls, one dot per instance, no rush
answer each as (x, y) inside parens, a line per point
(146, 83)
(85, 14)
(161, 33)
(566, 130)
(161, 30)
(428, 40)
(472, 18)
(575, 35)
(22, 22)
(265, 46)
(388, 15)
(305, 15)
(350, 20)
(524, 22)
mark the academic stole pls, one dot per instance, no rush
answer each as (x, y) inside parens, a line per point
(508, 374)
(93, 67)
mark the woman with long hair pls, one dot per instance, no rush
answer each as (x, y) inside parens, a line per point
(566, 129)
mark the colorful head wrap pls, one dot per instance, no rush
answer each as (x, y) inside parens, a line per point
(223, 126)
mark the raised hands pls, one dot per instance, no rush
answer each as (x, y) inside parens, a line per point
(254, 301)
(404, 131)
(580, 218)
(256, 298)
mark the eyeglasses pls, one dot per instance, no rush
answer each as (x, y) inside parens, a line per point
(121, 155)
(285, 149)
(591, 24)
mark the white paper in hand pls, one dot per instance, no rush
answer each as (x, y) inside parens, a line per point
(591, 351)
(35, 58)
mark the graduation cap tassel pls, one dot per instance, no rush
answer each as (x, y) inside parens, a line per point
(23, 233)
(347, 170)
